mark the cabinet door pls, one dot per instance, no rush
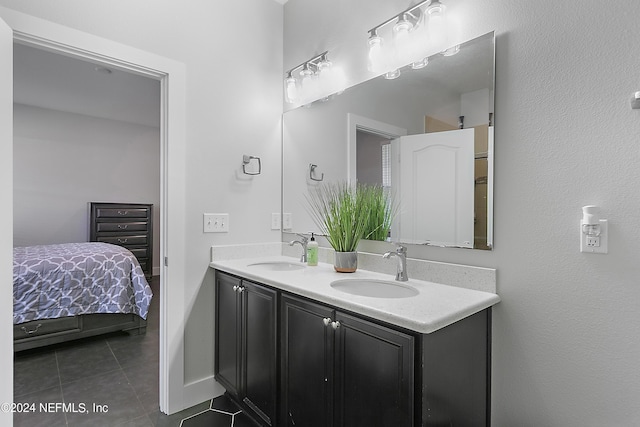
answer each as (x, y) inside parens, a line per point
(374, 383)
(227, 333)
(307, 364)
(259, 355)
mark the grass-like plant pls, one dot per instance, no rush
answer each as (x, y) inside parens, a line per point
(382, 210)
(338, 210)
(345, 214)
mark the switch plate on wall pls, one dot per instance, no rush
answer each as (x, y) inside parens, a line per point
(216, 223)
(287, 221)
(275, 221)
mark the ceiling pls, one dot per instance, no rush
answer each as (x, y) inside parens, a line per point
(54, 81)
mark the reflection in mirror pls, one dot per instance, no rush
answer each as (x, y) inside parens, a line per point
(427, 136)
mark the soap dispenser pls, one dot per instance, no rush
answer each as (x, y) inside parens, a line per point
(312, 251)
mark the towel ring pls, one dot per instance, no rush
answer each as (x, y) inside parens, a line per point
(312, 170)
(246, 160)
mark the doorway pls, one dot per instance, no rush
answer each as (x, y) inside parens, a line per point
(34, 32)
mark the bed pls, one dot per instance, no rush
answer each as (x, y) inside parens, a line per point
(75, 290)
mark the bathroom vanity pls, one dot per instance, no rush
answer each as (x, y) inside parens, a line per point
(295, 347)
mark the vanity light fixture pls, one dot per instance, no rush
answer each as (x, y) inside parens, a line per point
(413, 31)
(317, 77)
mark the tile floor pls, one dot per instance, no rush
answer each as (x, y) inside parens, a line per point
(119, 373)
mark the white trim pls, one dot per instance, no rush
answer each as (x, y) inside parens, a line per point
(355, 123)
(6, 226)
(172, 75)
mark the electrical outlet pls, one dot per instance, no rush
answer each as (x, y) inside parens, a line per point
(216, 223)
(593, 241)
(595, 244)
(287, 221)
(275, 221)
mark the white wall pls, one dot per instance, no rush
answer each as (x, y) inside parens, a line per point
(565, 336)
(63, 161)
(234, 93)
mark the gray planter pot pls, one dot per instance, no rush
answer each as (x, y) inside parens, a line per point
(346, 262)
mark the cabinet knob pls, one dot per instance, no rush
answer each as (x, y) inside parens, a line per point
(326, 321)
(241, 289)
(335, 325)
(122, 240)
(235, 288)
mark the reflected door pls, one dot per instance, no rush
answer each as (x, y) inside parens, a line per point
(433, 179)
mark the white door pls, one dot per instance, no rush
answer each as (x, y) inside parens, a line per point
(6, 219)
(434, 183)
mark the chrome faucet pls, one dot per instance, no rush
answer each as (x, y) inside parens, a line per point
(401, 255)
(302, 242)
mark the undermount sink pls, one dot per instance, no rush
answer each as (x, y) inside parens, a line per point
(374, 288)
(278, 265)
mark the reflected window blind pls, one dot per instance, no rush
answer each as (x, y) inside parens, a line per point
(386, 165)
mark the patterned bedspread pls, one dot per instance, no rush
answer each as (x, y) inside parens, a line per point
(51, 281)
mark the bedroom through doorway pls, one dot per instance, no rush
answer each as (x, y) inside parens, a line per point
(83, 133)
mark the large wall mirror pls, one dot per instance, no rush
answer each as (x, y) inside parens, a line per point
(426, 136)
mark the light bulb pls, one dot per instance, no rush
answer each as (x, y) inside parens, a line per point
(417, 65)
(309, 84)
(435, 9)
(451, 51)
(402, 40)
(403, 25)
(375, 57)
(394, 74)
(436, 30)
(290, 89)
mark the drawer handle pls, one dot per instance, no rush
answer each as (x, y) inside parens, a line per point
(32, 331)
(123, 212)
(122, 240)
(123, 227)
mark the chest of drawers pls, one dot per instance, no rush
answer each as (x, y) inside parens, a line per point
(125, 224)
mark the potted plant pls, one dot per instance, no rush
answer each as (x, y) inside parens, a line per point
(343, 214)
(382, 210)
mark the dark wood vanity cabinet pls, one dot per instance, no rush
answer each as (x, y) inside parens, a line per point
(291, 362)
(342, 370)
(245, 344)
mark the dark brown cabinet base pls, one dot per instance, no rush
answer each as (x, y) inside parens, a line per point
(340, 369)
(246, 346)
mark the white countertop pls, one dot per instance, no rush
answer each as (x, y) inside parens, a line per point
(435, 306)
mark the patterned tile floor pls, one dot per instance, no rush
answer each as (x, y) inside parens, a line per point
(119, 372)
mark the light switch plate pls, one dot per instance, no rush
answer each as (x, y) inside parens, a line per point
(287, 221)
(275, 221)
(216, 222)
